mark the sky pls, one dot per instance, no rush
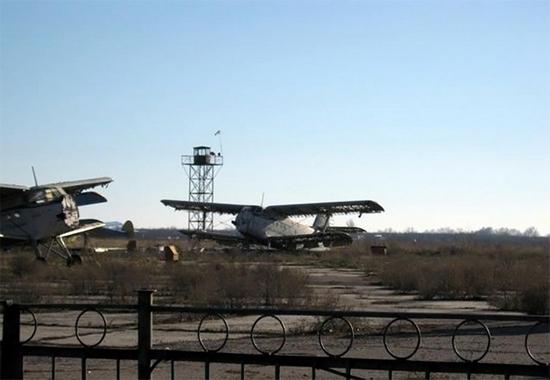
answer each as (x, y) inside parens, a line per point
(438, 110)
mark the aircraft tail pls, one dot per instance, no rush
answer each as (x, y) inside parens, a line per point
(128, 227)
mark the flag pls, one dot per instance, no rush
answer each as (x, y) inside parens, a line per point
(217, 133)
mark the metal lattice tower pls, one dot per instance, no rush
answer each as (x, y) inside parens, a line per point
(201, 169)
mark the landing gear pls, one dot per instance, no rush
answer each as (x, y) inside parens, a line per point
(41, 259)
(38, 252)
(58, 247)
(73, 259)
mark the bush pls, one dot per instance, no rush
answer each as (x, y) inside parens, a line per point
(235, 285)
(535, 300)
(511, 281)
(23, 264)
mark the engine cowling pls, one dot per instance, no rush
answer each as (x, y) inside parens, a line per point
(70, 211)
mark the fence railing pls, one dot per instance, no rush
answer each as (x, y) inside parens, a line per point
(328, 322)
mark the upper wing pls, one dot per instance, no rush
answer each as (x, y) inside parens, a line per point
(11, 195)
(221, 208)
(362, 207)
(6, 189)
(71, 187)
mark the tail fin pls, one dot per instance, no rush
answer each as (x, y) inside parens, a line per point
(128, 227)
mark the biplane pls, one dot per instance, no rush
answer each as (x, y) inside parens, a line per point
(274, 227)
(44, 215)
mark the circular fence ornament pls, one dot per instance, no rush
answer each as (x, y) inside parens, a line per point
(34, 322)
(528, 349)
(418, 339)
(253, 338)
(487, 334)
(78, 334)
(200, 331)
(349, 327)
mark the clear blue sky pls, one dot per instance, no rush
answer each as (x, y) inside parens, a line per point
(438, 110)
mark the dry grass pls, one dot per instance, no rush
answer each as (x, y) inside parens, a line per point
(513, 275)
(236, 285)
(209, 282)
(510, 272)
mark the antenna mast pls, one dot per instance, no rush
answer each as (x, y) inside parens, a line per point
(34, 176)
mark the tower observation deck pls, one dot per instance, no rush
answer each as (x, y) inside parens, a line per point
(201, 169)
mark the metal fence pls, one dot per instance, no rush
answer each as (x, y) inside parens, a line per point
(337, 362)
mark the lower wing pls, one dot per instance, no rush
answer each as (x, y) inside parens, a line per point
(7, 242)
(329, 239)
(11, 237)
(85, 226)
(346, 230)
(221, 237)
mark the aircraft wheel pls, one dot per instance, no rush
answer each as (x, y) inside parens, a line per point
(41, 259)
(76, 259)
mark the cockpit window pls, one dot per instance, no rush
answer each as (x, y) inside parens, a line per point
(44, 195)
(254, 210)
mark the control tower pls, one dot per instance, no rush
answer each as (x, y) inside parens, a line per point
(201, 169)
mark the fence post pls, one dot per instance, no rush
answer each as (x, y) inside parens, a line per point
(145, 333)
(12, 359)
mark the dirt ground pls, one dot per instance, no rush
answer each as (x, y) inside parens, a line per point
(347, 289)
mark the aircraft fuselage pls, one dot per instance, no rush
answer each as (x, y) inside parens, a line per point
(41, 218)
(260, 226)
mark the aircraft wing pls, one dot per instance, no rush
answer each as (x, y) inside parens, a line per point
(10, 237)
(72, 187)
(224, 237)
(305, 209)
(89, 225)
(346, 230)
(89, 198)
(220, 208)
(11, 195)
(8, 190)
(328, 239)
